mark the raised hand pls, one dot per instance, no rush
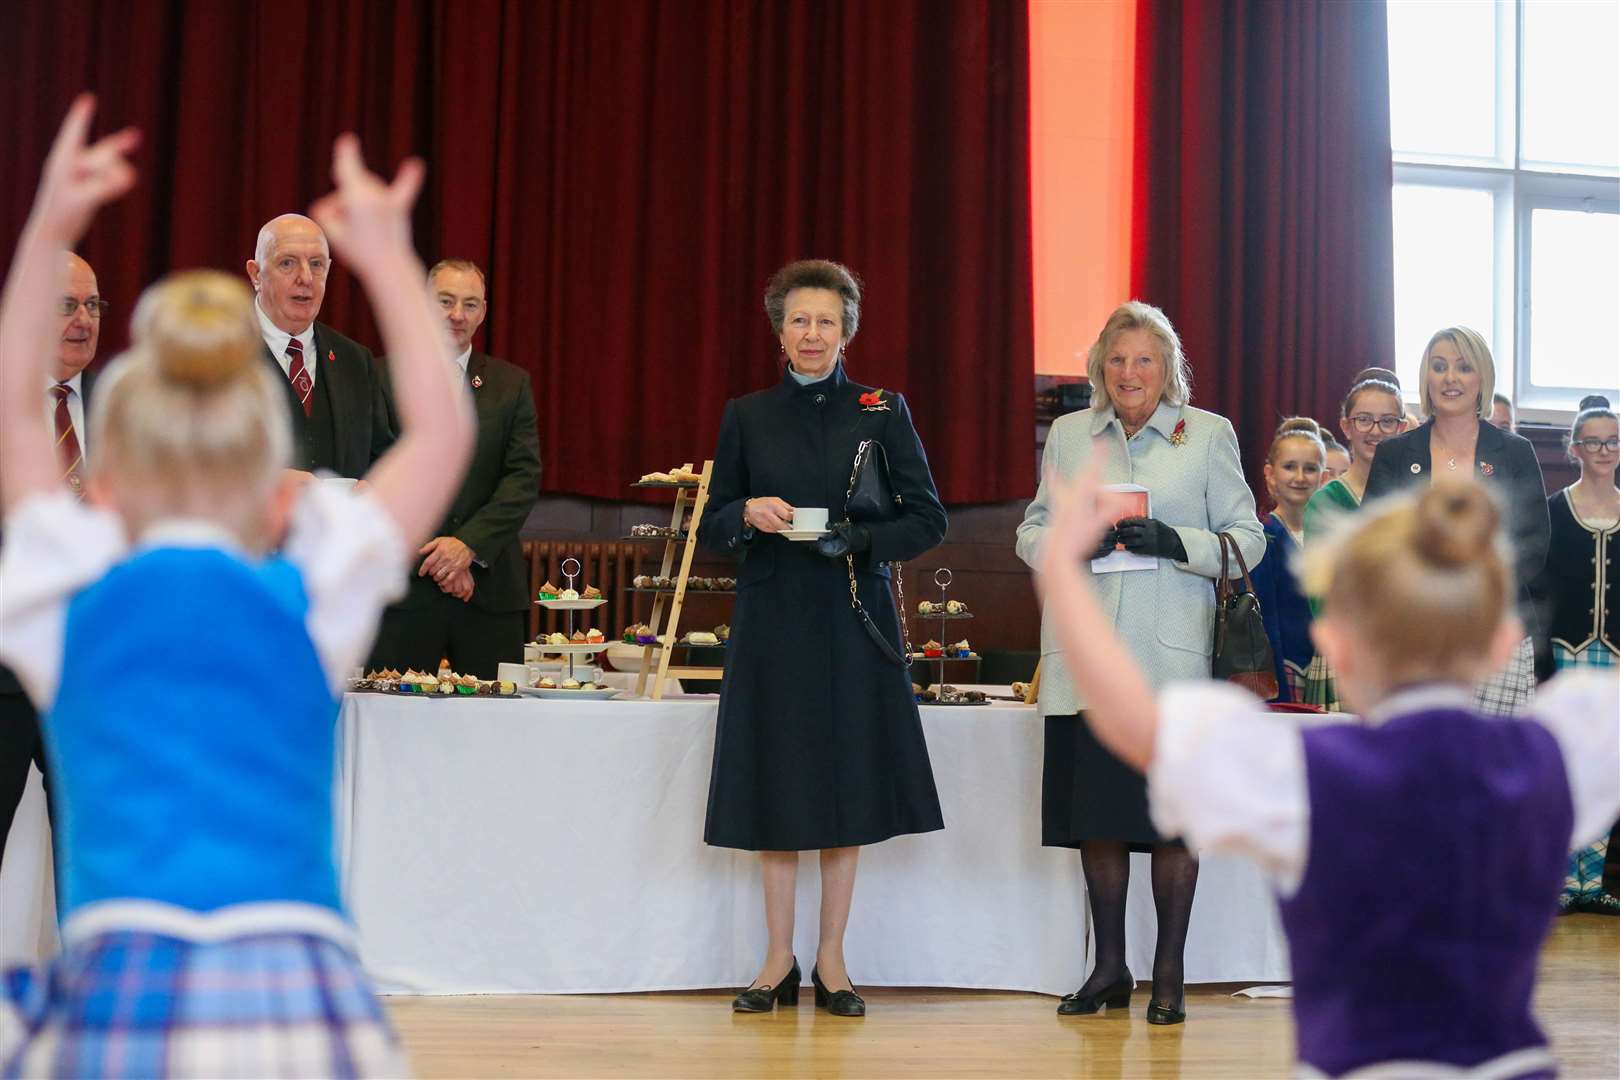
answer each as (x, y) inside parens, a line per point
(367, 221)
(79, 179)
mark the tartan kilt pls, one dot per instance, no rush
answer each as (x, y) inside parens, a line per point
(1318, 687)
(1589, 885)
(140, 1004)
(1508, 692)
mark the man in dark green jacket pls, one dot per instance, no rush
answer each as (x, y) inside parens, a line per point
(469, 597)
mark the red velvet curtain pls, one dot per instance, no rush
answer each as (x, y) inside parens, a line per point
(1261, 216)
(629, 173)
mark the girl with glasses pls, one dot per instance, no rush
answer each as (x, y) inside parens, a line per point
(1579, 597)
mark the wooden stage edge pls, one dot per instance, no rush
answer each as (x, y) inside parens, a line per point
(948, 1033)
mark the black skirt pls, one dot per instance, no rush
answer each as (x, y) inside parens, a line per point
(1089, 794)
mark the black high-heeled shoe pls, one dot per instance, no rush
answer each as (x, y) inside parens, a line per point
(1114, 995)
(762, 999)
(1159, 1012)
(836, 1002)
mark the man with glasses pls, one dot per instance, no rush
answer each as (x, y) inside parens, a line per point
(334, 390)
(469, 597)
(65, 401)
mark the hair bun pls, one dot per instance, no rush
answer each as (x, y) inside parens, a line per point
(200, 326)
(1455, 524)
(1303, 425)
(1593, 401)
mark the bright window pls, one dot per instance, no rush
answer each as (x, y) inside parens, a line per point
(1505, 128)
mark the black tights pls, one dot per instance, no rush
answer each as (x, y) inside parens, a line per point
(1107, 865)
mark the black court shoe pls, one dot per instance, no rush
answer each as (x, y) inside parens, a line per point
(836, 1002)
(762, 999)
(1114, 996)
(1160, 1013)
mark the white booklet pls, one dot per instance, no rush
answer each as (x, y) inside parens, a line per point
(1120, 560)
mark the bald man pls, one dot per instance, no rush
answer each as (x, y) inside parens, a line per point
(65, 401)
(334, 390)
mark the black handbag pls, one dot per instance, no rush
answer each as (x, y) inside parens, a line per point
(871, 497)
(1242, 652)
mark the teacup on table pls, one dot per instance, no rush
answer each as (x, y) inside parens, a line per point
(809, 519)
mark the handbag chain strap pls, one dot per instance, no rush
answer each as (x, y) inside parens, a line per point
(894, 567)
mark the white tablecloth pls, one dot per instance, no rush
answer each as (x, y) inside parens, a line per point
(556, 847)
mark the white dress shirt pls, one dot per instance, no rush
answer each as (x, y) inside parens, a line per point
(75, 404)
(276, 339)
(461, 359)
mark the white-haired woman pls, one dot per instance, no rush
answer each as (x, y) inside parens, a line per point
(1142, 427)
(1455, 388)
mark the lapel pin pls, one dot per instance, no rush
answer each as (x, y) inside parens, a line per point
(331, 355)
(1416, 468)
(477, 381)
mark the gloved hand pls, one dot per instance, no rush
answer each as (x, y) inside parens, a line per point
(1150, 536)
(844, 538)
(1105, 546)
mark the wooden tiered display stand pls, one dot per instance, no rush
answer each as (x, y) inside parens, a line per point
(681, 541)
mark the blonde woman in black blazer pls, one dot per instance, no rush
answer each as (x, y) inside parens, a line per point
(1458, 440)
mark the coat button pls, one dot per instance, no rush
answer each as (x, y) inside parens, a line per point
(821, 399)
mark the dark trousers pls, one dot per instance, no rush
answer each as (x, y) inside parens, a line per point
(474, 640)
(20, 747)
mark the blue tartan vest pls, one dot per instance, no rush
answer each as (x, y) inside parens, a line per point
(1437, 851)
(191, 741)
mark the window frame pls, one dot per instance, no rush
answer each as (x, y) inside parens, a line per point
(1517, 189)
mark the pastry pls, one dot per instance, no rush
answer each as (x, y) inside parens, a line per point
(656, 478)
(629, 637)
(467, 684)
(570, 684)
(955, 607)
(662, 582)
(960, 648)
(723, 632)
(645, 635)
(701, 637)
(591, 593)
(925, 608)
(506, 688)
(578, 638)
(594, 637)
(547, 683)
(933, 649)
(447, 686)
(557, 639)
(725, 583)
(548, 591)
(1020, 690)
(568, 594)
(587, 686)
(642, 581)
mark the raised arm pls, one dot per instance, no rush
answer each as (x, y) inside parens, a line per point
(1120, 708)
(369, 225)
(78, 179)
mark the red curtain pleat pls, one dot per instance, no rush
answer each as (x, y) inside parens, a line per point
(629, 173)
(1261, 210)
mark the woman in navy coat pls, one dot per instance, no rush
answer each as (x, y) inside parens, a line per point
(818, 745)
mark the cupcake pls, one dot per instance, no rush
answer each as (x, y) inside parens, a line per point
(642, 581)
(548, 591)
(467, 684)
(933, 649)
(568, 594)
(960, 648)
(723, 632)
(446, 686)
(591, 593)
(645, 635)
(547, 683)
(594, 636)
(559, 638)
(578, 638)
(570, 684)
(629, 637)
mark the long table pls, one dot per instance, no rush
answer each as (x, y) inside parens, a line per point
(556, 847)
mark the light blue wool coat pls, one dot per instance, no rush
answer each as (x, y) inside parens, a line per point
(1166, 616)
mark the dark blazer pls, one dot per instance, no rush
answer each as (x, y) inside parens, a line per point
(348, 428)
(8, 679)
(1506, 464)
(502, 486)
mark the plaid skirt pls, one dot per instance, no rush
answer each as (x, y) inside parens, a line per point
(1590, 884)
(130, 1003)
(1504, 693)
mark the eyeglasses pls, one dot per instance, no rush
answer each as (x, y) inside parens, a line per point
(1365, 422)
(95, 307)
(1592, 446)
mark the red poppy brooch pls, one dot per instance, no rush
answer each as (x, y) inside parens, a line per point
(477, 381)
(1487, 468)
(1178, 437)
(874, 401)
(331, 356)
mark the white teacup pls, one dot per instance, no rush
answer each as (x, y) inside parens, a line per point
(810, 518)
(513, 673)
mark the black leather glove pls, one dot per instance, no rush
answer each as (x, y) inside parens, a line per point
(1105, 546)
(844, 538)
(1150, 536)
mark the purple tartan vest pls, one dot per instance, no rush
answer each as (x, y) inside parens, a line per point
(1437, 850)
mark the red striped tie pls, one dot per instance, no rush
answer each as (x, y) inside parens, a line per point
(67, 440)
(299, 377)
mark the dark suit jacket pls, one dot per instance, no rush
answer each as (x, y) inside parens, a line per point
(1507, 464)
(349, 425)
(502, 486)
(8, 679)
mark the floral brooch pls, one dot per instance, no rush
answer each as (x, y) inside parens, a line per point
(1178, 437)
(873, 401)
(1487, 468)
(477, 381)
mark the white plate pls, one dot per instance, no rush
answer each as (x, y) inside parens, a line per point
(571, 605)
(601, 693)
(803, 534)
(572, 649)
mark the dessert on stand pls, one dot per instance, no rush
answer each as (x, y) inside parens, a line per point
(571, 642)
(941, 650)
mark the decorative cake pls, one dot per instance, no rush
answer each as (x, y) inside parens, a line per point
(594, 636)
(933, 650)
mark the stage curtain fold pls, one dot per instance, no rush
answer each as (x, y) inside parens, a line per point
(629, 173)
(1261, 203)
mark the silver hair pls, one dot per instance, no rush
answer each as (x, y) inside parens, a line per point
(1135, 315)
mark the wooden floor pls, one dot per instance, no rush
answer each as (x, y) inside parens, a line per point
(948, 1033)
